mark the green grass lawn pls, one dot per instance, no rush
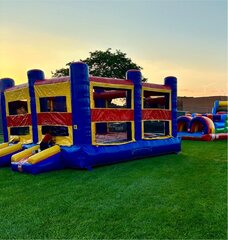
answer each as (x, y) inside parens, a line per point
(173, 196)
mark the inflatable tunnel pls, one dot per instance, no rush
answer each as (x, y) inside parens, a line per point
(205, 127)
(183, 123)
(202, 125)
(200, 128)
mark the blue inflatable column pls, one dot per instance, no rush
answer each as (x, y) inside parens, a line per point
(215, 107)
(136, 77)
(33, 76)
(80, 100)
(172, 83)
(4, 84)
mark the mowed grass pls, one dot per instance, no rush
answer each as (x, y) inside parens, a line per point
(173, 196)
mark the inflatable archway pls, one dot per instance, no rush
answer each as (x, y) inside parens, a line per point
(202, 124)
(183, 123)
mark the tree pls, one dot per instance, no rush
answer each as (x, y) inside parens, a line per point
(104, 64)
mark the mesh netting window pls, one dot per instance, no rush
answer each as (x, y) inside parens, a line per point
(55, 130)
(18, 107)
(53, 104)
(115, 132)
(19, 131)
(153, 129)
(111, 98)
(156, 100)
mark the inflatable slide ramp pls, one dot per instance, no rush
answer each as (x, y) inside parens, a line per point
(34, 161)
(6, 152)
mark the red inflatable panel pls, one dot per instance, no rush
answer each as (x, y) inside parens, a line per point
(210, 115)
(64, 119)
(19, 120)
(52, 80)
(157, 86)
(221, 136)
(112, 115)
(24, 85)
(207, 137)
(221, 113)
(109, 95)
(155, 100)
(156, 114)
(111, 81)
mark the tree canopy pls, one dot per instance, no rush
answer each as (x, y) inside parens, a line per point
(104, 64)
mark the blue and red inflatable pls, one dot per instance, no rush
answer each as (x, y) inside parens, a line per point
(205, 127)
(94, 120)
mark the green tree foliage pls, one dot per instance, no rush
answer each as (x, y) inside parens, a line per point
(104, 64)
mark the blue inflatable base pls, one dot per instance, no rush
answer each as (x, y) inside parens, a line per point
(189, 134)
(5, 160)
(87, 156)
(219, 124)
(52, 163)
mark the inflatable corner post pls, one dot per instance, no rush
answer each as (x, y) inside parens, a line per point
(4, 84)
(205, 127)
(5, 151)
(80, 100)
(172, 83)
(33, 76)
(94, 120)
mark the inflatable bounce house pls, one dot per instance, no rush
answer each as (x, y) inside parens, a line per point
(205, 127)
(94, 120)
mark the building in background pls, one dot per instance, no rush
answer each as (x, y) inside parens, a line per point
(198, 104)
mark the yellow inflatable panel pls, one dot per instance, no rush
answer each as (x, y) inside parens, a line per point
(10, 149)
(24, 154)
(13, 139)
(44, 154)
(3, 145)
(223, 103)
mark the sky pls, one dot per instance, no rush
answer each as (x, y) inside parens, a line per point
(182, 38)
